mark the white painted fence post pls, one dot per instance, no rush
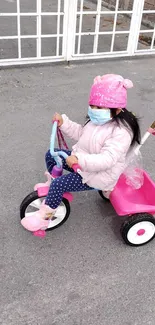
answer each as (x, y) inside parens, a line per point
(135, 26)
(69, 28)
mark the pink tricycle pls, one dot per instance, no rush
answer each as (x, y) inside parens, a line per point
(137, 205)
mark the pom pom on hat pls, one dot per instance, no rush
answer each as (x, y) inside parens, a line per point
(127, 83)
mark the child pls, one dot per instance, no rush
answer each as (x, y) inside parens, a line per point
(100, 150)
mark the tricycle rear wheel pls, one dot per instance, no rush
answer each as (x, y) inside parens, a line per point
(102, 196)
(139, 229)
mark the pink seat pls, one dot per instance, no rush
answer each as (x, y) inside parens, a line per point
(127, 200)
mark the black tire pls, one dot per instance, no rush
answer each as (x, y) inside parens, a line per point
(103, 197)
(34, 196)
(130, 222)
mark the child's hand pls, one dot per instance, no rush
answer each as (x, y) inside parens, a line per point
(71, 160)
(58, 118)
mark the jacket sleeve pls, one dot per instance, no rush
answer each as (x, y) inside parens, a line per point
(72, 129)
(114, 147)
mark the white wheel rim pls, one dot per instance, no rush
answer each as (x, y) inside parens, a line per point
(141, 232)
(60, 214)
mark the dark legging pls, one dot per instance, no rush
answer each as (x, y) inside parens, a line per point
(72, 182)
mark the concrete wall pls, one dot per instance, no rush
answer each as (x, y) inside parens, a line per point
(127, 4)
(150, 4)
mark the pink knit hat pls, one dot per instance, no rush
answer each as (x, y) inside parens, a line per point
(110, 91)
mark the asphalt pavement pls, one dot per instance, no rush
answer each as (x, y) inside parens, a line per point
(82, 273)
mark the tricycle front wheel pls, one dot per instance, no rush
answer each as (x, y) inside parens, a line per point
(139, 229)
(33, 202)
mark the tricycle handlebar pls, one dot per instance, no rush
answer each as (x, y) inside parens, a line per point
(76, 167)
(55, 154)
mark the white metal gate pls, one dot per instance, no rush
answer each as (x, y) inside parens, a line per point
(56, 30)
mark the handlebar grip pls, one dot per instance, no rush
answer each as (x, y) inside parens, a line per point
(76, 167)
(55, 121)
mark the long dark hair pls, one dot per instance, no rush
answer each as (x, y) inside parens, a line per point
(130, 121)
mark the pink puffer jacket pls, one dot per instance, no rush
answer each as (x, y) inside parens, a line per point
(101, 151)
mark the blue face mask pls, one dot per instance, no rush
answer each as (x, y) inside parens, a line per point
(99, 116)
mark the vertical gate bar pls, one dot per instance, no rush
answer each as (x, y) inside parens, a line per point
(97, 26)
(39, 2)
(71, 29)
(153, 39)
(74, 26)
(135, 26)
(114, 26)
(80, 26)
(58, 28)
(65, 29)
(18, 29)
